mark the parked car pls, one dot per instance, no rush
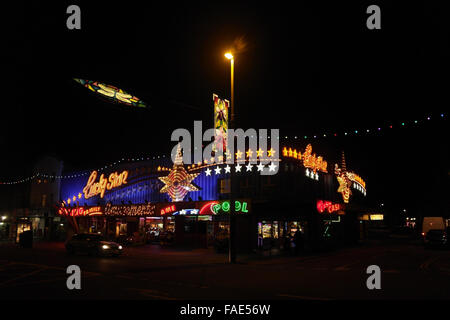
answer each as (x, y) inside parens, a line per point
(166, 238)
(436, 238)
(430, 223)
(92, 244)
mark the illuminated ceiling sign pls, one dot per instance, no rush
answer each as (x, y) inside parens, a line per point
(112, 93)
(310, 160)
(114, 180)
(220, 123)
(216, 207)
(328, 206)
(75, 212)
(131, 210)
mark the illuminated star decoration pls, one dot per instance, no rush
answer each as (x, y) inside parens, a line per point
(112, 93)
(178, 182)
(344, 181)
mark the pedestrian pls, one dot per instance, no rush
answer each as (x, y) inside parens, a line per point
(298, 241)
(287, 243)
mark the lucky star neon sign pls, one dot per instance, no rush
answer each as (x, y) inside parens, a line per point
(178, 182)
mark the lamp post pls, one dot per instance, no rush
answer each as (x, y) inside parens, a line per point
(231, 217)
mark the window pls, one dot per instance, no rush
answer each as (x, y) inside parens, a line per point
(225, 186)
(44, 201)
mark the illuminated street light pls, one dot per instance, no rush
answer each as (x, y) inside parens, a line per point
(231, 218)
(229, 56)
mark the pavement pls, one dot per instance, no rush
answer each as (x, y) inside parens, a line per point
(408, 271)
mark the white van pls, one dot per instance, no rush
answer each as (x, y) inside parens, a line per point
(432, 223)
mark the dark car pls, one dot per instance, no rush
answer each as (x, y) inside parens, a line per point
(92, 244)
(436, 238)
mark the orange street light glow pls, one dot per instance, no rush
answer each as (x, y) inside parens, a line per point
(228, 55)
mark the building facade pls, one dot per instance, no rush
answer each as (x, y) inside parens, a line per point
(148, 199)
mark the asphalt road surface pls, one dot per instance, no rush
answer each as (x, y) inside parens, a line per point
(408, 271)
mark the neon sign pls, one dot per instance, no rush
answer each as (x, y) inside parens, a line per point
(328, 206)
(215, 207)
(313, 162)
(168, 209)
(81, 211)
(310, 160)
(147, 209)
(183, 212)
(208, 208)
(114, 180)
(354, 177)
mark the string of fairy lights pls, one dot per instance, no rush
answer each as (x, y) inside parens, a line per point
(70, 176)
(367, 131)
(372, 130)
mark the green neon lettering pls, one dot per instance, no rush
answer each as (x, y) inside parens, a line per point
(226, 206)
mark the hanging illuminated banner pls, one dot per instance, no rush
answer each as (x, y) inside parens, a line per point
(220, 123)
(114, 180)
(112, 93)
(328, 206)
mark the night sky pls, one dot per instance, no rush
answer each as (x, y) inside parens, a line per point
(305, 68)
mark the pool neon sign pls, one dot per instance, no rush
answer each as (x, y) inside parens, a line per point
(215, 207)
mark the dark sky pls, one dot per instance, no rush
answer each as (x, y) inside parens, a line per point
(306, 69)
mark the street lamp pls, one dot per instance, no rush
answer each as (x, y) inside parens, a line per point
(230, 57)
(231, 218)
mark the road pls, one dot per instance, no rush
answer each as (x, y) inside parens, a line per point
(408, 271)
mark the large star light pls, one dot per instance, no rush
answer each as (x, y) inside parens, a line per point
(178, 182)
